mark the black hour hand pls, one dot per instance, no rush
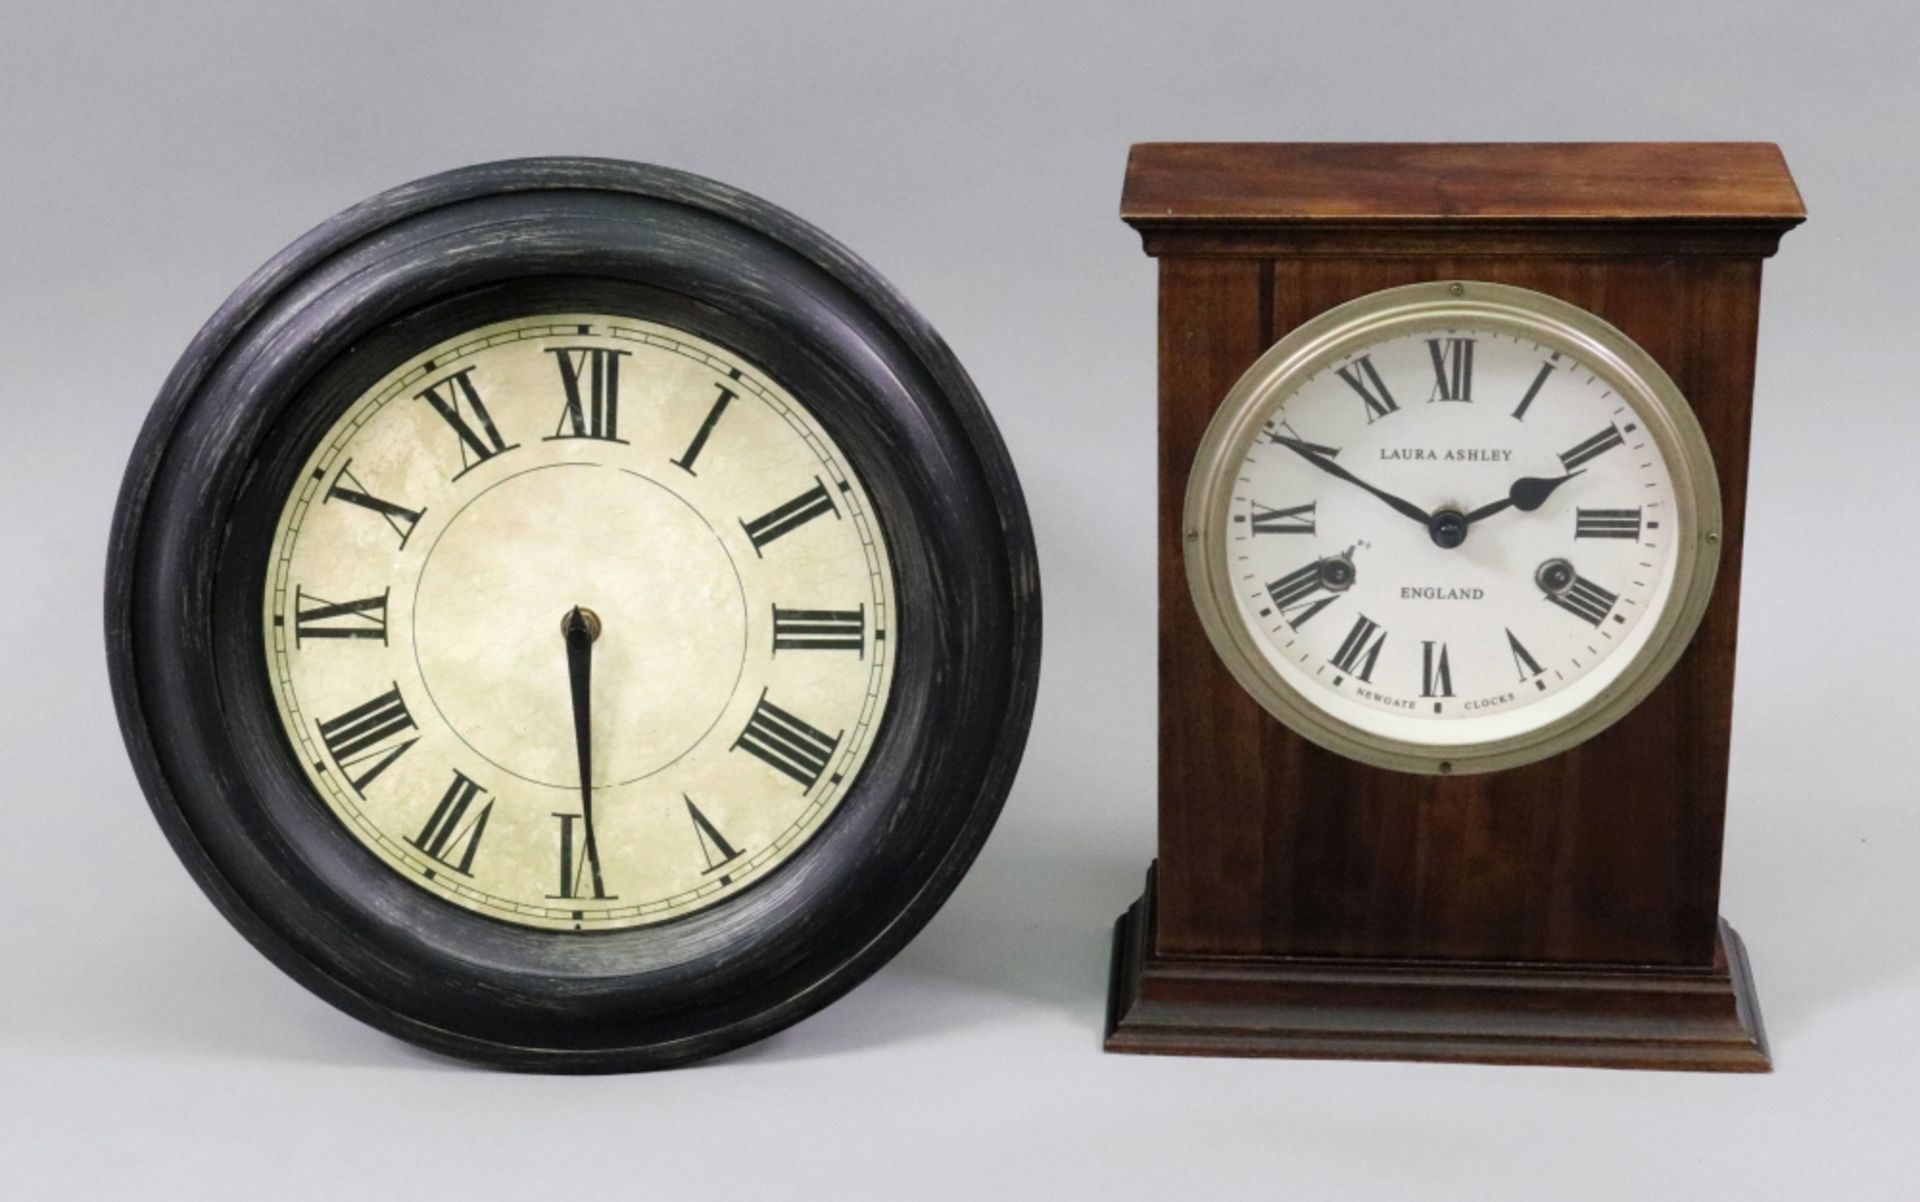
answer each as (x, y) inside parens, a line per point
(1527, 494)
(581, 627)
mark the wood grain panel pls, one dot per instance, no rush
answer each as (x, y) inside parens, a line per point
(1306, 182)
(1214, 323)
(1608, 853)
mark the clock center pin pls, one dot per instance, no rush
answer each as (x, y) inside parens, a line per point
(585, 618)
(1448, 528)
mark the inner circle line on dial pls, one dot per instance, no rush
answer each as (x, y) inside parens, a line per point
(455, 728)
(763, 815)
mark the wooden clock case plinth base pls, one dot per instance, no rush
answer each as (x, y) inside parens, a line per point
(1562, 911)
(1348, 1009)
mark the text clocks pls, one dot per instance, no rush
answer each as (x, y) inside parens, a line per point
(573, 615)
(1452, 527)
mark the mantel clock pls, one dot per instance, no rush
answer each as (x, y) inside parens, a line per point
(1452, 478)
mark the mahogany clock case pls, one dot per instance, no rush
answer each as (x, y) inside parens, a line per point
(1566, 911)
(313, 329)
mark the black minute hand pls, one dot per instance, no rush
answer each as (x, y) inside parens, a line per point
(580, 629)
(1306, 452)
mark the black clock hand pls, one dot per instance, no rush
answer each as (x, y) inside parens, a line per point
(1306, 452)
(1527, 494)
(581, 629)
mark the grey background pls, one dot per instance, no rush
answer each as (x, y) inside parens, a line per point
(152, 155)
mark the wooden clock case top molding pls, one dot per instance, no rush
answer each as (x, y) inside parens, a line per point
(1565, 911)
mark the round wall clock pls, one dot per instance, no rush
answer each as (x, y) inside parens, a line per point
(573, 615)
(1452, 527)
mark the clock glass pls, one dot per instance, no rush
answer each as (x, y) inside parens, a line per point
(1450, 528)
(579, 548)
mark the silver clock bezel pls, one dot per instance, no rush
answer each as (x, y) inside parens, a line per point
(1312, 347)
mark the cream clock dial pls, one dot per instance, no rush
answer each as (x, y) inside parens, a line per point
(579, 542)
(1452, 527)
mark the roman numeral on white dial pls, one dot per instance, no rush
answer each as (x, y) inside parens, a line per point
(1485, 521)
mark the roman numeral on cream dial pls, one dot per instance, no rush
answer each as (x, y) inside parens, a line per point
(741, 598)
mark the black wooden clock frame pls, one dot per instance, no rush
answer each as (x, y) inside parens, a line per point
(343, 305)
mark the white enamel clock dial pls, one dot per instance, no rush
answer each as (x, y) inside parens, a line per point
(1453, 527)
(736, 603)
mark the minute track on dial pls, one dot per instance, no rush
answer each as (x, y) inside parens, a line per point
(649, 477)
(1456, 461)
